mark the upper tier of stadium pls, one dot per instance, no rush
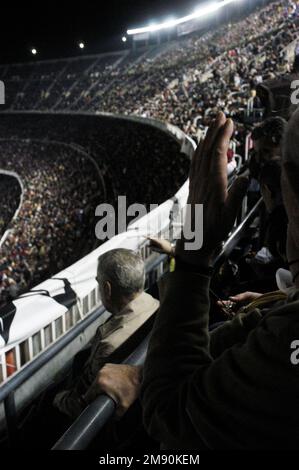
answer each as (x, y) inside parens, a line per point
(180, 82)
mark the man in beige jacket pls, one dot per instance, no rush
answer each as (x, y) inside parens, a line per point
(121, 277)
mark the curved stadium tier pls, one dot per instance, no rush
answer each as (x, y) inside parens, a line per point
(85, 160)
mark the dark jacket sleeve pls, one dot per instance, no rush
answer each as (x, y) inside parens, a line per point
(233, 332)
(192, 401)
(179, 343)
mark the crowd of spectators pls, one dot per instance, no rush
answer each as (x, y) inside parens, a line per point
(223, 71)
(182, 83)
(123, 150)
(53, 227)
(64, 183)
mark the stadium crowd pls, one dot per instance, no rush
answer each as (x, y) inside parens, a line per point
(145, 145)
(182, 83)
(53, 227)
(10, 192)
(223, 71)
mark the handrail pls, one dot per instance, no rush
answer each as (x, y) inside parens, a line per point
(233, 239)
(94, 417)
(43, 358)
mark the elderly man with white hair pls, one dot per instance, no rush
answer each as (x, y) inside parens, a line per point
(237, 387)
(121, 278)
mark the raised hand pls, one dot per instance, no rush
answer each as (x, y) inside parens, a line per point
(209, 187)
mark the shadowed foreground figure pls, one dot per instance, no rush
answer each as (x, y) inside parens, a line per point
(236, 388)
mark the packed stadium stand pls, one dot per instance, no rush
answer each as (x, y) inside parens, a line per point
(79, 132)
(181, 85)
(10, 198)
(66, 176)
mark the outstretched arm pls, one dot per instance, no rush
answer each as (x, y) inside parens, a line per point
(179, 346)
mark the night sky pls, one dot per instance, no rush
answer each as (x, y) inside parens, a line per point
(54, 28)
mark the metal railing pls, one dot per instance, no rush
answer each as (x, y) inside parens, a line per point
(95, 416)
(237, 234)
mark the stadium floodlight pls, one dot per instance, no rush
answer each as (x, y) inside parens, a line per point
(124, 39)
(170, 23)
(206, 10)
(33, 51)
(199, 13)
(81, 45)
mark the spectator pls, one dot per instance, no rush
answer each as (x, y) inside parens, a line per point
(267, 139)
(10, 192)
(45, 235)
(121, 277)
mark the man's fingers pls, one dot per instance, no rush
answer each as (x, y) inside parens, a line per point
(212, 133)
(203, 154)
(221, 146)
(208, 144)
(239, 297)
(246, 297)
(234, 201)
(153, 240)
(196, 156)
(217, 164)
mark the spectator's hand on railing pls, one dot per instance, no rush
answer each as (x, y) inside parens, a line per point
(209, 186)
(161, 245)
(121, 382)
